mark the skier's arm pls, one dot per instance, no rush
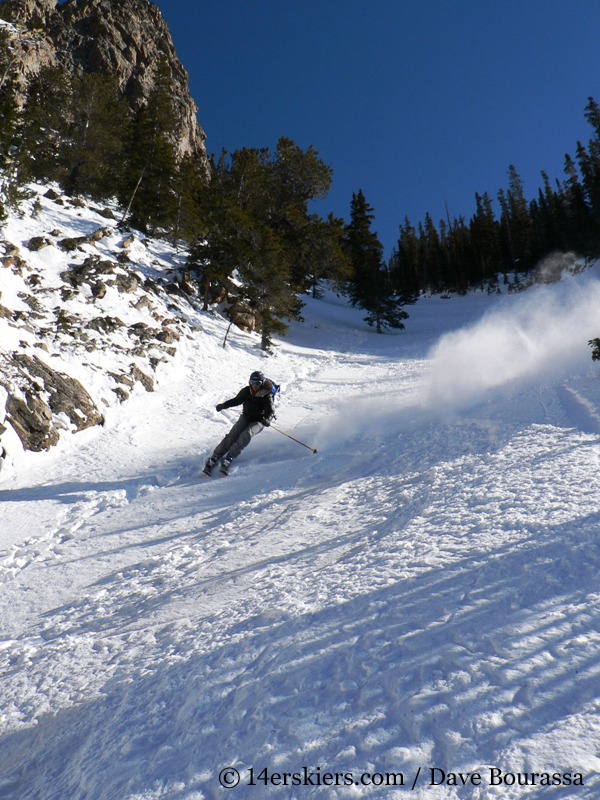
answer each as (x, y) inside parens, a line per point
(235, 401)
(269, 412)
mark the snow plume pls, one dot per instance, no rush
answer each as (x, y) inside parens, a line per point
(552, 267)
(526, 337)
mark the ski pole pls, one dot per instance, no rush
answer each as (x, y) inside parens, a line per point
(308, 447)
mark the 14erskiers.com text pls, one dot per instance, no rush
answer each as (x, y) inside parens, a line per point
(432, 776)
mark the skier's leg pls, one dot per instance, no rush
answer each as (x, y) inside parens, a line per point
(244, 438)
(228, 440)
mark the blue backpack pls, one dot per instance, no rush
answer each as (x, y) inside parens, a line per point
(275, 388)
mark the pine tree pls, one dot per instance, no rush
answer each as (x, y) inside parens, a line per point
(434, 266)
(549, 220)
(589, 166)
(148, 188)
(325, 258)
(519, 221)
(254, 220)
(484, 238)
(8, 125)
(288, 241)
(508, 258)
(72, 131)
(405, 265)
(370, 287)
(581, 232)
(460, 272)
(8, 103)
(43, 127)
(218, 247)
(190, 178)
(93, 151)
(300, 176)
(266, 276)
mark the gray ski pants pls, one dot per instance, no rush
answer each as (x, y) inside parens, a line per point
(238, 437)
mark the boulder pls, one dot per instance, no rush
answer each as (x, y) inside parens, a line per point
(37, 395)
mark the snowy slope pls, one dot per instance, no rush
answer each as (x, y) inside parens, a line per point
(418, 599)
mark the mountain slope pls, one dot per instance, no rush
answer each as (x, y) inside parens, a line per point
(418, 598)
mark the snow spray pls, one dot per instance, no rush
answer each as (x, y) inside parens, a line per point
(526, 337)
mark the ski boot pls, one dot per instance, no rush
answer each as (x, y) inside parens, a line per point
(210, 463)
(225, 464)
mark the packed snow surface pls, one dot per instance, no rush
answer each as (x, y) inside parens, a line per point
(410, 612)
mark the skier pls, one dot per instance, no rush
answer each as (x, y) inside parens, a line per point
(256, 400)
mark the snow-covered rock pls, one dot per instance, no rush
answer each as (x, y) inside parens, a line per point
(87, 313)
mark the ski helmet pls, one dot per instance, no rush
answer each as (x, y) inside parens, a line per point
(256, 380)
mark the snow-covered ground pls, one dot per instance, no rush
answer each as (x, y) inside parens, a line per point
(416, 603)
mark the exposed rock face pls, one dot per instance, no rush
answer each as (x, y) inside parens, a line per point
(127, 38)
(32, 12)
(36, 395)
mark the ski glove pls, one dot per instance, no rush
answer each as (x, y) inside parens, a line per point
(219, 407)
(266, 422)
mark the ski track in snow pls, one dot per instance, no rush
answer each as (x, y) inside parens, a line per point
(423, 592)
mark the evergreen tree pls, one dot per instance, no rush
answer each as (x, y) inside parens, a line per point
(461, 272)
(589, 166)
(72, 131)
(217, 248)
(93, 151)
(8, 103)
(434, 265)
(266, 275)
(297, 178)
(148, 188)
(484, 238)
(507, 253)
(254, 220)
(565, 216)
(405, 265)
(519, 221)
(8, 125)
(190, 178)
(579, 223)
(548, 220)
(370, 287)
(43, 127)
(323, 255)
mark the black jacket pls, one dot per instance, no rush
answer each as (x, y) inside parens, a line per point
(254, 406)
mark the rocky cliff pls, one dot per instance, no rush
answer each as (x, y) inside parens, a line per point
(127, 38)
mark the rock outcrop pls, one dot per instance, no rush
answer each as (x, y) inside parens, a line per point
(39, 396)
(126, 38)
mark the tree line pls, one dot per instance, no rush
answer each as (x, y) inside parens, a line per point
(249, 221)
(457, 255)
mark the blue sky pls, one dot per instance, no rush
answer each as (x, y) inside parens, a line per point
(420, 104)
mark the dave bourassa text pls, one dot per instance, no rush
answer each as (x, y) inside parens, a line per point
(493, 776)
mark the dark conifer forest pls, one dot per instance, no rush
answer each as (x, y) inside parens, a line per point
(509, 235)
